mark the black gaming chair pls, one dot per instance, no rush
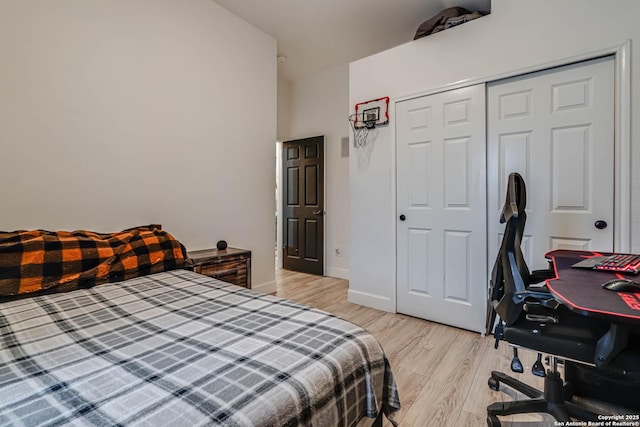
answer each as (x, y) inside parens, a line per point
(529, 317)
(510, 265)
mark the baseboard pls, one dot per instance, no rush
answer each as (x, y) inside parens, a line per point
(371, 300)
(266, 288)
(340, 273)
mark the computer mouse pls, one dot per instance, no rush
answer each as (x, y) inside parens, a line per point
(622, 285)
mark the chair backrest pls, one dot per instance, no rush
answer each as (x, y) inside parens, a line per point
(510, 274)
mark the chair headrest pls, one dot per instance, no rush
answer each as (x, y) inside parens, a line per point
(516, 198)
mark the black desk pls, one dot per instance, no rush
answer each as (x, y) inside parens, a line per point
(581, 291)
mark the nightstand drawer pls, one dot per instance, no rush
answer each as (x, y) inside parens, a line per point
(233, 272)
(231, 265)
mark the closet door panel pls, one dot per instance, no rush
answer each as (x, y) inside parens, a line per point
(441, 194)
(555, 128)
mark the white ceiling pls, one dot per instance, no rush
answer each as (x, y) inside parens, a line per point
(318, 34)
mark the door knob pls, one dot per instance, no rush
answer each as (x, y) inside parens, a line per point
(402, 217)
(317, 213)
(600, 224)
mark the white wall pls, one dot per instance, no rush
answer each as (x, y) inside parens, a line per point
(120, 113)
(319, 106)
(517, 35)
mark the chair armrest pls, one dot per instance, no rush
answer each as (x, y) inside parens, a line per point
(537, 276)
(538, 287)
(541, 311)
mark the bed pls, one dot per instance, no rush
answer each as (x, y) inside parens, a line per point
(178, 348)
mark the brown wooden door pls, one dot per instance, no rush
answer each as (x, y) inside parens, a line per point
(303, 205)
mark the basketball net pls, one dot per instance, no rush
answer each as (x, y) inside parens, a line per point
(360, 128)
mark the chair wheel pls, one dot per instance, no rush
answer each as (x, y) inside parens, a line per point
(494, 385)
(493, 421)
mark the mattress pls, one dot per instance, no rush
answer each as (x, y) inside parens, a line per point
(178, 348)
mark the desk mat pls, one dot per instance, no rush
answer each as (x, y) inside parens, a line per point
(582, 289)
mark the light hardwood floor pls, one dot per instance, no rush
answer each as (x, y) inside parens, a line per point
(441, 371)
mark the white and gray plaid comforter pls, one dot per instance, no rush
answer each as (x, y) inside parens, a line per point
(181, 349)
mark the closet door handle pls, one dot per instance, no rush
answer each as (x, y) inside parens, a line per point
(600, 224)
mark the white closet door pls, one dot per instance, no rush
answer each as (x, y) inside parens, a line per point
(441, 180)
(555, 128)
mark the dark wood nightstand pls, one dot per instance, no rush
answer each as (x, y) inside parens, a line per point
(232, 265)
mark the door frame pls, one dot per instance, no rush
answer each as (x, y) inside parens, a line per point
(279, 200)
(622, 138)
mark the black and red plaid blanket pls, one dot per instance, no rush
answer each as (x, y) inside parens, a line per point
(39, 260)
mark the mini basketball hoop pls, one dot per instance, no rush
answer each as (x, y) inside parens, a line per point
(368, 115)
(361, 125)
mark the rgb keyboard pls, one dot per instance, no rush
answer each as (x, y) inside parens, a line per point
(621, 263)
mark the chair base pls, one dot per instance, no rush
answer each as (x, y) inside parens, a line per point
(552, 401)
